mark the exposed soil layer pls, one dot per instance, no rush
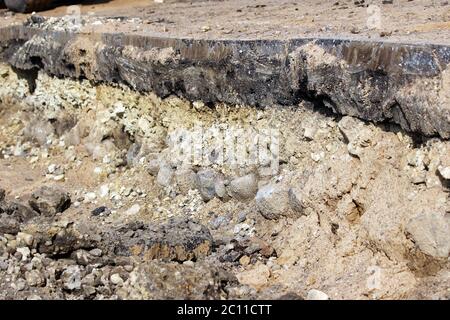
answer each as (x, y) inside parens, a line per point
(279, 150)
(355, 210)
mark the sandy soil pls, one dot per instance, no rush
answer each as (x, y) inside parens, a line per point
(356, 210)
(403, 20)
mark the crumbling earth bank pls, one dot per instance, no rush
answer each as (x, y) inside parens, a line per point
(95, 205)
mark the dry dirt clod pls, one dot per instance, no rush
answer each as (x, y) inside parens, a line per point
(256, 277)
(186, 179)
(356, 133)
(34, 278)
(206, 181)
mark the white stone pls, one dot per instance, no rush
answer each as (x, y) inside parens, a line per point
(272, 201)
(104, 191)
(25, 251)
(116, 279)
(134, 209)
(119, 109)
(316, 295)
(106, 159)
(96, 252)
(310, 132)
(59, 177)
(24, 239)
(317, 156)
(90, 196)
(71, 278)
(444, 172)
(51, 168)
(98, 170)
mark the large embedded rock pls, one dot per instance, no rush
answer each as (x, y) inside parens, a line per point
(9, 225)
(244, 188)
(165, 175)
(186, 179)
(256, 277)
(63, 238)
(49, 200)
(176, 240)
(431, 234)
(272, 201)
(12, 215)
(206, 183)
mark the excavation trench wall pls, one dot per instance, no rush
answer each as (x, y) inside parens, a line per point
(407, 84)
(347, 198)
